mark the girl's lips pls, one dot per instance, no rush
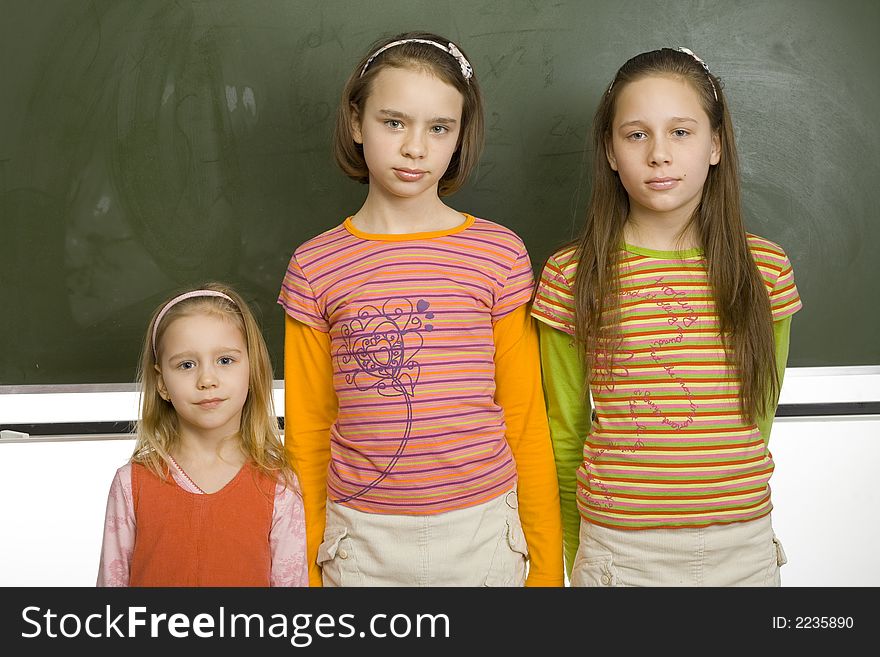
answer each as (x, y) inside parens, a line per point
(662, 183)
(210, 403)
(409, 175)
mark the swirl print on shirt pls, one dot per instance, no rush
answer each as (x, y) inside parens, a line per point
(379, 353)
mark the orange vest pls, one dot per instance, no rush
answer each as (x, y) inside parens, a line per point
(192, 539)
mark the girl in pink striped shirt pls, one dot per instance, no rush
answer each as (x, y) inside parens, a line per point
(414, 410)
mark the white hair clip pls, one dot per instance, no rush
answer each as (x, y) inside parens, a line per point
(467, 71)
(690, 52)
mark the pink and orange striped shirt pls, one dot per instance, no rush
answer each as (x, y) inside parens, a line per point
(410, 319)
(667, 446)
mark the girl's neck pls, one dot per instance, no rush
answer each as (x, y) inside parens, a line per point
(660, 233)
(402, 216)
(209, 462)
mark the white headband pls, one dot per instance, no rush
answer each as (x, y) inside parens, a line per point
(467, 71)
(690, 52)
(178, 299)
(686, 51)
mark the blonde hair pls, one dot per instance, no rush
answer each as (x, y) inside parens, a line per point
(741, 300)
(158, 424)
(413, 55)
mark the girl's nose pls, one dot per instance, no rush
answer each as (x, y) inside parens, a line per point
(414, 145)
(207, 378)
(660, 152)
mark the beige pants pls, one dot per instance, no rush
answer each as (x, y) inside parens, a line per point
(738, 554)
(483, 545)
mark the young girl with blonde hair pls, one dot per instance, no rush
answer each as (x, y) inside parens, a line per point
(208, 498)
(674, 322)
(414, 410)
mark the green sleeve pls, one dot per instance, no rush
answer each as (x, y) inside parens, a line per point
(781, 333)
(568, 411)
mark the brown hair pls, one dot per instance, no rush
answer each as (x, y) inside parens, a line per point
(350, 155)
(741, 300)
(157, 427)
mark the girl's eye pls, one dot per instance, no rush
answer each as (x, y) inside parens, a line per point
(637, 136)
(439, 129)
(394, 124)
(225, 360)
(186, 365)
(680, 132)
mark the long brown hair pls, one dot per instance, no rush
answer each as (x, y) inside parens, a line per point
(419, 56)
(157, 426)
(741, 300)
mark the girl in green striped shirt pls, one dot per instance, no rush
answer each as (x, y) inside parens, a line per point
(664, 338)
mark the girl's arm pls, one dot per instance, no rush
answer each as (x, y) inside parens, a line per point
(287, 539)
(781, 334)
(518, 392)
(309, 411)
(568, 412)
(119, 532)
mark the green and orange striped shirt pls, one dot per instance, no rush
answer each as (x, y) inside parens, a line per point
(667, 446)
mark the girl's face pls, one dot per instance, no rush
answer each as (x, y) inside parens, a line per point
(204, 371)
(409, 130)
(662, 145)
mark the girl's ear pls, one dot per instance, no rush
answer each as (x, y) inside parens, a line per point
(609, 153)
(355, 119)
(160, 384)
(715, 155)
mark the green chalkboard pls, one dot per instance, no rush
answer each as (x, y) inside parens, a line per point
(150, 144)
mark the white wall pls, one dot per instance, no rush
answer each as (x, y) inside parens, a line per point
(826, 500)
(53, 493)
(52, 500)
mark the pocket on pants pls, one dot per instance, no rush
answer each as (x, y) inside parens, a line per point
(337, 559)
(777, 560)
(594, 570)
(508, 567)
(781, 559)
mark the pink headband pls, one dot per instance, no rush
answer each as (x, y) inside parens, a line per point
(178, 299)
